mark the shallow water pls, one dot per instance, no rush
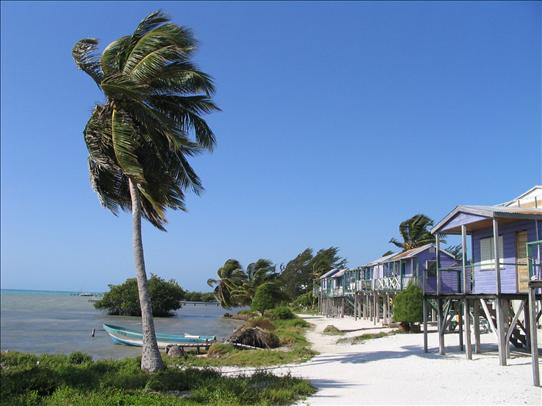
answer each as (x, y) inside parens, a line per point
(58, 322)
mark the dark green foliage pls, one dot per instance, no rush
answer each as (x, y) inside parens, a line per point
(123, 299)
(305, 300)
(408, 305)
(199, 296)
(298, 275)
(416, 231)
(77, 358)
(281, 313)
(230, 279)
(267, 296)
(55, 380)
(235, 287)
(151, 122)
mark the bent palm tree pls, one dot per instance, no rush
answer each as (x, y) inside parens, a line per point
(415, 232)
(139, 139)
(231, 278)
(257, 273)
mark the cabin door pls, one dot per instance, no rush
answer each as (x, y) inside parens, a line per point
(522, 267)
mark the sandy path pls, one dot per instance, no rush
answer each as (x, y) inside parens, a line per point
(395, 370)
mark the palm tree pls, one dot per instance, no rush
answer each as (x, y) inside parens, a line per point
(257, 273)
(231, 278)
(140, 137)
(415, 232)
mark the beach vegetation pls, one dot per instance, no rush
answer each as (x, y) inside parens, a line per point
(408, 306)
(140, 139)
(267, 296)
(54, 380)
(364, 337)
(331, 330)
(123, 300)
(281, 313)
(294, 347)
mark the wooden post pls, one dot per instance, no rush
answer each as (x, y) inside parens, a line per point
(424, 304)
(532, 333)
(384, 310)
(466, 317)
(441, 321)
(466, 286)
(501, 331)
(460, 326)
(375, 304)
(355, 306)
(437, 261)
(477, 326)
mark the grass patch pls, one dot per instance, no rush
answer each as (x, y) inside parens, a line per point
(28, 379)
(294, 348)
(332, 331)
(364, 337)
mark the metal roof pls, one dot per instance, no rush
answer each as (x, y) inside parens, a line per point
(491, 212)
(381, 259)
(330, 273)
(340, 273)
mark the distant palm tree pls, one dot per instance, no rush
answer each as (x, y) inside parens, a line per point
(140, 137)
(415, 232)
(231, 279)
(257, 273)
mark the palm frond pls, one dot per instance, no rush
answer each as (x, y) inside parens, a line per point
(85, 57)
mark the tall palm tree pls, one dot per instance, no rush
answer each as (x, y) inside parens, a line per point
(415, 232)
(139, 139)
(231, 278)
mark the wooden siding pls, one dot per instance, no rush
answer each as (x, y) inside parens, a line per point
(485, 281)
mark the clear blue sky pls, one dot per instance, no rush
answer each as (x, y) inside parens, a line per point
(339, 121)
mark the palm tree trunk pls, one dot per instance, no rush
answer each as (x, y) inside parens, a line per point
(150, 357)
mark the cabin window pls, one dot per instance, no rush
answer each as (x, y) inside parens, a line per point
(487, 253)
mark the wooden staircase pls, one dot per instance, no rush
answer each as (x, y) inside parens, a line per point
(518, 337)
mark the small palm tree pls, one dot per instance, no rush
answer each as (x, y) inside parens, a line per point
(139, 139)
(415, 232)
(231, 278)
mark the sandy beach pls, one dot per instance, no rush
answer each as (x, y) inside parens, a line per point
(395, 370)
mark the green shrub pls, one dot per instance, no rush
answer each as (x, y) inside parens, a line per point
(408, 305)
(267, 296)
(123, 299)
(77, 358)
(332, 331)
(281, 313)
(304, 300)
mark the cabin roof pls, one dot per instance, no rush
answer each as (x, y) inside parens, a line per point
(488, 212)
(330, 273)
(415, 251)
(533, 193)
(340, 273)
(381, 259)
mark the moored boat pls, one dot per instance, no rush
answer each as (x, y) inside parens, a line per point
(126, 336)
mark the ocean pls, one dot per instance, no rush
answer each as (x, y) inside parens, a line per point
(61, 322)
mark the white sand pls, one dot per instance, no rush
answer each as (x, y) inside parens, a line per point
(395, 370)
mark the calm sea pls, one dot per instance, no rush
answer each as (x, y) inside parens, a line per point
(61, 322)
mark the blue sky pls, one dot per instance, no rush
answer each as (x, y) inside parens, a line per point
(339, 121)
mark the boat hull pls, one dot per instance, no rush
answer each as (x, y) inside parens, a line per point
(121, 335)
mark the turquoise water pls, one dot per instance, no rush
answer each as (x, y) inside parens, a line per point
(61, 322)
